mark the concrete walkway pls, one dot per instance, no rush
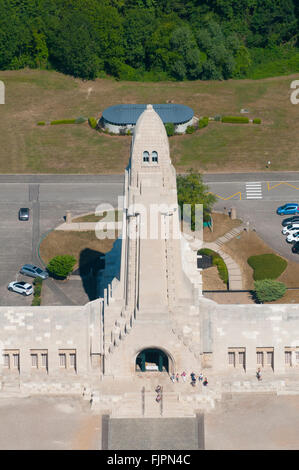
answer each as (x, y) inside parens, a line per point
(234, 272)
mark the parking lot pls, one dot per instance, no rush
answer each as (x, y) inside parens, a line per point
(48, 203)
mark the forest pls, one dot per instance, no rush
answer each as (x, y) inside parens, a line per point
(151, 40)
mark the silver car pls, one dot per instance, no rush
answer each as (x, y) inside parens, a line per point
(33, 271)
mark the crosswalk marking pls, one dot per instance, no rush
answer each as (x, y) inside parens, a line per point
(254, 190)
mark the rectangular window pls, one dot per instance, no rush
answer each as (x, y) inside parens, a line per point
(288, 358)
(16, 361)
(242, 359)
(62, 360)
(6, 361)
(34, 362)
(260, 358)
(44, 358)
(73, 360)
(269, 358)
(231, 359)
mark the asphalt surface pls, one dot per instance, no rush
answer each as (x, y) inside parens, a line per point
(48, 202)
(255, 196)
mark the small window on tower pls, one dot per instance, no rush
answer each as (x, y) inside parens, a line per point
(154, 157)
(145, 156)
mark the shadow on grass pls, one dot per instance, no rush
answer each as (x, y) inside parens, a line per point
(98, 269)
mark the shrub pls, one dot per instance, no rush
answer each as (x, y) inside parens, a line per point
(61, 266)
(217, 117)
(217, 261)
(203, 122)
(268, 266)
(257, 121)
(36, 301)
(190, 129)
(80, 120)
(235, 119)
(41, 123)
(268, 290)
(169, 126)
(63, 121)
(92, 122)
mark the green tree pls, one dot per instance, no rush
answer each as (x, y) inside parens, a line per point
(61, 266)
(268, 290)
(191, 191)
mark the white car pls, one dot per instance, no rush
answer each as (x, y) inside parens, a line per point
(293, 237)
(21, 287)
(290, 228)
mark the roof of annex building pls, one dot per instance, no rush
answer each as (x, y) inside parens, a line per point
(122, 114)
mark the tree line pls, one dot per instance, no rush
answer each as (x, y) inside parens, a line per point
(151, 39)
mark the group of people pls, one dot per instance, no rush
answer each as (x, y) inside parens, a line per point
(201, 379)
(158, 391)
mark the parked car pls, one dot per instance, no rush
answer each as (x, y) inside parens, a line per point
(293, 237)
(295, 247)
(290, 228)
(33, 271)
(20, 287)
(290, 220)
(292, 208)
(24, 213)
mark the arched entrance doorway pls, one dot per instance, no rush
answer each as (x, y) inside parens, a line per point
(152, 359)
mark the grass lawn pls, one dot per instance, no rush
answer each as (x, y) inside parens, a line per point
(83, 245)
(115, 216)
(249, 244)
(267, 266)
(39, 95)
(222, 224)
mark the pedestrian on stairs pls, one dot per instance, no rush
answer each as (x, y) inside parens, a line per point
(177, 377)
(205, 382)
(258, 374)
(172, 377)
(183, 375)
(200, 378)
(193, 379)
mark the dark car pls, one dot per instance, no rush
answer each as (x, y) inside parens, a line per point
(24, 213)
(295, 247)
(290, 220)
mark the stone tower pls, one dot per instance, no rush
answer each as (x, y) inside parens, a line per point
(155, 303)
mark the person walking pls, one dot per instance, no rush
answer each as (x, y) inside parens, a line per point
(183, 375)
(200, 378)
(205, 382)
(193, 379)
(172, 377)
(177, 377)
(258, 374)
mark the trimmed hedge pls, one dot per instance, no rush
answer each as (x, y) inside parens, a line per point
(268, 290)
(217, 261)
(268, 266)
(37, 283)
(80, 120)
(203, 122)
(257, 121)
(169, 126)
(92, 122)
(63, 121)
(235, 119)
(190, 129)
(41, 123)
